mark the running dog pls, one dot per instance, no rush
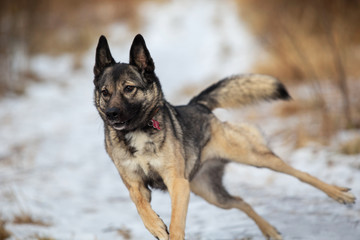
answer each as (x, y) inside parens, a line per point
(154, 144)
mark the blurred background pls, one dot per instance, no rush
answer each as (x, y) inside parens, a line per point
(56, 181)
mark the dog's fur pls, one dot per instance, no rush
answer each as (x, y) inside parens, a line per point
(191, 148)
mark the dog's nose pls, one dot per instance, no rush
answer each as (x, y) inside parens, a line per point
(112, 113)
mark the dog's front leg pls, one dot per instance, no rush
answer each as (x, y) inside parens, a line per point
(140, 195)
(179, 189)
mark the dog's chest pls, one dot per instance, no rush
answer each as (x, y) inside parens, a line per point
(138, 156)
(144, 156)
(141, 142)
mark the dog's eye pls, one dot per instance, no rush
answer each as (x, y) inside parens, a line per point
(105, 93)
(129, 89)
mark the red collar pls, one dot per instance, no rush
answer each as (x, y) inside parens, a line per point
(153, 123)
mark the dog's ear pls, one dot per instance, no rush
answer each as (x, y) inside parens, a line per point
(103, 57)
(140, 55)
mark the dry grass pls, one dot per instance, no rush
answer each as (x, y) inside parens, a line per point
(304, 39)
(24, 218)
(124, 232)
(315, 122)
(4, 234)
(55, 27)
(52, 27)
(309, 42)
(300, 106)
(351, 147)
(39, 237)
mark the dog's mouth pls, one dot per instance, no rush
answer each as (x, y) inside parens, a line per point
(119, 125)
(120, 121)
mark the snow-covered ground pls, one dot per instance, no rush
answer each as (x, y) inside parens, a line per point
(53, 165)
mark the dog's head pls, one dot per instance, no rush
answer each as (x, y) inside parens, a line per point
(126, 95)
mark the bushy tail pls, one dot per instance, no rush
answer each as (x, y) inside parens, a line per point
(241, 90)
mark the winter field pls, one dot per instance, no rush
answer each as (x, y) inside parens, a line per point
(54, 170)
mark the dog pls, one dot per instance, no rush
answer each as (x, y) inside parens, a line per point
(155, 145)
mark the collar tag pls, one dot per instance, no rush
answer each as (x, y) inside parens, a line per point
(155, 124)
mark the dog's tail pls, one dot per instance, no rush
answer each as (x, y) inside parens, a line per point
(241, 90)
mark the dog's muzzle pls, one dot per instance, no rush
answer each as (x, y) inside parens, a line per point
(115, 118)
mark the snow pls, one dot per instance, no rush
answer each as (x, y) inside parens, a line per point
(188, 39)
(53, 165)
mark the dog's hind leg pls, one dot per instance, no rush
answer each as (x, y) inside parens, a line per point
(273, 162)
(207, 184)
(244, 144)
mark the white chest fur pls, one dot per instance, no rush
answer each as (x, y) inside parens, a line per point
(142, 143)
(145, 154)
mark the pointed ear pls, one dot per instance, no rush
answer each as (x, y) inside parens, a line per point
(140, 55)
(103, 57)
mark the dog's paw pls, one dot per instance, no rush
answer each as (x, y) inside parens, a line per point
(159, 230)
(342, 195)
(273, 235)
(270, 232)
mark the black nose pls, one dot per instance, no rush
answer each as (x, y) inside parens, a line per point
(113, 113)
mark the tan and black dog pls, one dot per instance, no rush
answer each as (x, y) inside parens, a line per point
(154, 144)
